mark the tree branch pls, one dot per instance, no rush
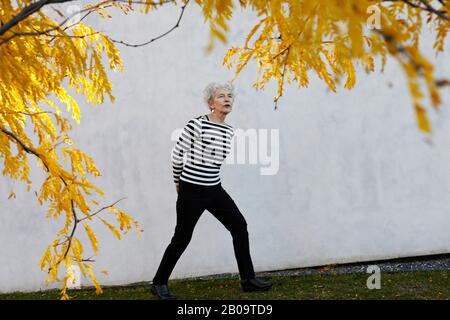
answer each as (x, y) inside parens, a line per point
(27, 11)
(158, 37)
(72, 205)
(98, 211)
(427, 7)
(434, 10)
(32, 8)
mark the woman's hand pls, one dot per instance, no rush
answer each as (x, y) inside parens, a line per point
(177, 187)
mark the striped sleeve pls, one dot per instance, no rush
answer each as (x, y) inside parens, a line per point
(185, 142)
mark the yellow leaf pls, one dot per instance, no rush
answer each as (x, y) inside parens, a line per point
(112, 228)
(422, 119)
(98, 289)
(92, 237)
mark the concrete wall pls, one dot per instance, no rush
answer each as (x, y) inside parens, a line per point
(355, 181)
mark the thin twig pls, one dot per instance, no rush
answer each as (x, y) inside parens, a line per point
(98, 211)
(158, 37)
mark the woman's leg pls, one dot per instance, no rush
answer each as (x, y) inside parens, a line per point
(189, 210)
(226, 211)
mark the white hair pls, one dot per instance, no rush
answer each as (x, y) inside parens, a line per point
(208, 93)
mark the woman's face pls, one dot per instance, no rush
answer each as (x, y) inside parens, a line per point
(222, 101)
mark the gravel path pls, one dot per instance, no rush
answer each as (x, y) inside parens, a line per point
(425, 263)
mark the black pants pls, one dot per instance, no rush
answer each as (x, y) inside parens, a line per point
(192, 201)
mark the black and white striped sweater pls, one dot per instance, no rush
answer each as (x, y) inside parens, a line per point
(206, 144)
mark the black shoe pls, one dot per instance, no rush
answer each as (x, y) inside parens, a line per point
(162, 291)
(255, 285)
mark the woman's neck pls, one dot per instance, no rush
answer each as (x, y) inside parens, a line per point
(219, 118)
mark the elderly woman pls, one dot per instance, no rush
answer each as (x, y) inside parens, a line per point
(206, 140)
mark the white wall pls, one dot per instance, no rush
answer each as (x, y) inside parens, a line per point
(356, 180)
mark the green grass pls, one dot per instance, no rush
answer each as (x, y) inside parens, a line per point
(398, 285)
